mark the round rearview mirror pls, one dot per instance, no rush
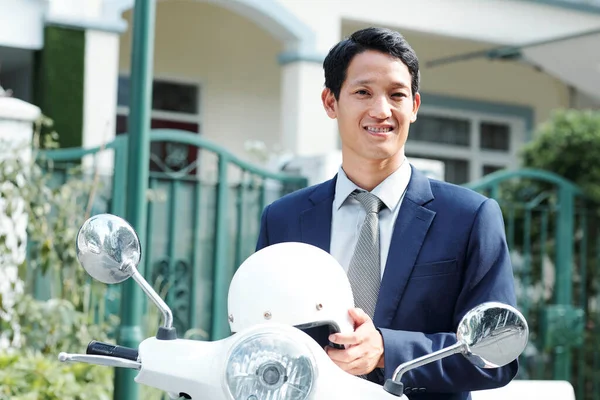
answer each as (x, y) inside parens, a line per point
(495, 334)
(108, 248)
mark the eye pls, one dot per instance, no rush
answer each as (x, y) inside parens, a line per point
(361, 92)
(399, 95)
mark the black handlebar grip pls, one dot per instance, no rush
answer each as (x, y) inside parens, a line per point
(111, 350)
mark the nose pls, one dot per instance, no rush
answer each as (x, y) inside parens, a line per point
(380, 108)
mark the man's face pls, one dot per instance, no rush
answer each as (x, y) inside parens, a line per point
(375, 107)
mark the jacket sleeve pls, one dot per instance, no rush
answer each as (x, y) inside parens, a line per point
(263, 235)
(488, 277)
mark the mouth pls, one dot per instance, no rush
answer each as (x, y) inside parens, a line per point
(381, 131)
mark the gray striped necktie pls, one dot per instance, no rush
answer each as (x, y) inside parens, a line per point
(364, 272)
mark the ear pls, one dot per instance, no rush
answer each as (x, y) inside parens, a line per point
(416, 105)
(329, 103)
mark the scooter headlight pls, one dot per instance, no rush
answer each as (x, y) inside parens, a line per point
(269, 366)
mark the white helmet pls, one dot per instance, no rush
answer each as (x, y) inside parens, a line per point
(291, 283)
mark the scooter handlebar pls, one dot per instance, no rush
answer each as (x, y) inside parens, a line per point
(100, 360)
(111, 350)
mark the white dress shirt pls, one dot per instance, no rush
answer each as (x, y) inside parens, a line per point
(348, 215)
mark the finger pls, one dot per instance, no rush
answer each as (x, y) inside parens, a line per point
(354, 367)
(359, 316)
(344, 366)
(358, 370)
(346, 338)
(345, 356)
(337, 358)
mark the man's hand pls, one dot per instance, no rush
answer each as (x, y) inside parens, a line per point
(363, 348)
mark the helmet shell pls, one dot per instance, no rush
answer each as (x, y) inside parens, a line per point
(291, 283)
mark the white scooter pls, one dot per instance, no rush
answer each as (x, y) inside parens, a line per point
(269, 360)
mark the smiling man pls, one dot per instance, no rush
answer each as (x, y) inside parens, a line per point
(418, 253)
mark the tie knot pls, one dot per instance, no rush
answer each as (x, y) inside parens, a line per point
(370, 202)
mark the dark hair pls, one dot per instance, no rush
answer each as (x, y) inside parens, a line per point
(380, 39)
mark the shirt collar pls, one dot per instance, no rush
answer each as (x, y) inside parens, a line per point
(343, 187)
(390, 191)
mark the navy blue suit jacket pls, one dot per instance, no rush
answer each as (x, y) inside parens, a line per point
(448, 254)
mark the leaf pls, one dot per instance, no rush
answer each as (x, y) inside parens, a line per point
(29, 375)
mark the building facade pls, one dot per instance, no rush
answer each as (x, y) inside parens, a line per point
(242, 72)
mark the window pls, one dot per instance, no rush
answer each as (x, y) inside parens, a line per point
(442, 130)
(177, 97)
(455, 170)
(470, 144)
(488, 169)
(175, 105)
(494, 136)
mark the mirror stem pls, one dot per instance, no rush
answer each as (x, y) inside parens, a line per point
(426, 359)
(162, 306)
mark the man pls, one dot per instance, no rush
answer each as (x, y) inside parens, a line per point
(437, 249)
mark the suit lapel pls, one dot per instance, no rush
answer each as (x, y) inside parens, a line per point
(410, 230)
(315, 222)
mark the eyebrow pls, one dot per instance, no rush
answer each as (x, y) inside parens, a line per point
(369, 81)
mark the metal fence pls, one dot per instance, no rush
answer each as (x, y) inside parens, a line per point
(204, 207)
(553, 237)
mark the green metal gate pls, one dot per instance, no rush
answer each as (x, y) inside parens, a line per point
(552, 234)
(204, 207)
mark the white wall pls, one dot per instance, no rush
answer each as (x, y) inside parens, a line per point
(75, 8)
(234, 61)
(323, 17)
(22, 23)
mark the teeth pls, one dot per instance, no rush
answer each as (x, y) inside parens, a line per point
(378, 130)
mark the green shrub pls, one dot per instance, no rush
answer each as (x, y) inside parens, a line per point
(568, 144)
(33, 332)
(30, 375)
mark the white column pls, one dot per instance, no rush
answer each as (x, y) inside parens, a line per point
(101, 72)
(102, 23)
(306, 129)
(16, 132)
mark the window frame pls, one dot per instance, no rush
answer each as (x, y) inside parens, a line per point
(172, 115)
(473, 154)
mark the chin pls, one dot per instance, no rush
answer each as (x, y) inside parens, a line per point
(378, 155)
